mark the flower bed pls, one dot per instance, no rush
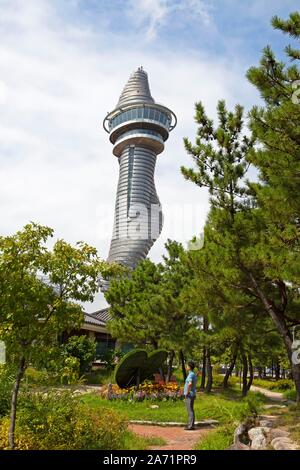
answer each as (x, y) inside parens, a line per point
(147, 391)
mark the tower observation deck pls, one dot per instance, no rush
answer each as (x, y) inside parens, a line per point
(138, 128)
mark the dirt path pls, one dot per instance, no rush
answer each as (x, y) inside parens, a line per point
(176, 437)
(276, 396)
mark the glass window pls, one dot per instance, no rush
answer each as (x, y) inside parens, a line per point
(140, 113)
(146, 113)
(151, 113)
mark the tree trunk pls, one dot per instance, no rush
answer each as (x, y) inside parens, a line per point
(182, 361)
(280, 323)
(296, 378)
(162, 374)
(170, 366)
(14, 400)
(277, 370)
(229, 370)
(251, 375)
(209, 372)
(138, 379)
(203, 376)
(245, 374)
(260, 372)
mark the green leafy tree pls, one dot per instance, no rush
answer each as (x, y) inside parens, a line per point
(40, 291)
(83, 348)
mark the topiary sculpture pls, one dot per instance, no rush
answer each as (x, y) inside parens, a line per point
(137, 366)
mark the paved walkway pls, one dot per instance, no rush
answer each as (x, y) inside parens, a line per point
(176, 437)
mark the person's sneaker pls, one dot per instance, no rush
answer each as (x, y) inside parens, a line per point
(189, 429)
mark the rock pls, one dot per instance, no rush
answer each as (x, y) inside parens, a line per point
(268, 417)
(266, 423)
(206, 423)
(240, 438)
(153, 407)
(283, 443)
(258, 438)
(239, 446)
(278, 433)
(266, 407)
(239, 432)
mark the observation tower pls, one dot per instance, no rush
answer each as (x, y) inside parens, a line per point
(138, 128)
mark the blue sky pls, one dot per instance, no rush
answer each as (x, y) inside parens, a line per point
(63, 64)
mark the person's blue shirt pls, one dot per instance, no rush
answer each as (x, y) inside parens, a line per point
(192, 377)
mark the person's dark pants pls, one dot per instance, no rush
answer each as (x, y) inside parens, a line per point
(189, 402)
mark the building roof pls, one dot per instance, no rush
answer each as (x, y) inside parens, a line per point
(99, 318)
(136, 89)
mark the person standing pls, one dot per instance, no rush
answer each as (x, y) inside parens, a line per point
(190, 395)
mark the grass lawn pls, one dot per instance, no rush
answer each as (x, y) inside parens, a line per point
(224, 407)
(228, 407)
(135, 442)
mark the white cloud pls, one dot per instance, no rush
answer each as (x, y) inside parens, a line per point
(151, 12)
(151, 15)
(60, 79)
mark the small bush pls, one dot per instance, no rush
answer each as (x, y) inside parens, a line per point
(83, 348)
(217, 381)
(59, 420)
(7, 378)
(70, 371)
(278, 385)
(290, 395)
(282, 385)
(33, 376)
(99, 377)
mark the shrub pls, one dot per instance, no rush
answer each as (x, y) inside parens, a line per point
(83, 348)
(282, 385)
(34, 376)
(217, 381)
(99, 377)
(7, 378)
(279, 385)
(59, 420)
(70, 371)
(138, 365)
(290, 395)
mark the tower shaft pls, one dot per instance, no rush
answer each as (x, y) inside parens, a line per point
(138, 218)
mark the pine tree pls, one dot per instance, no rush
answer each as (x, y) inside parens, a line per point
(276, 126)
(241, 257)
